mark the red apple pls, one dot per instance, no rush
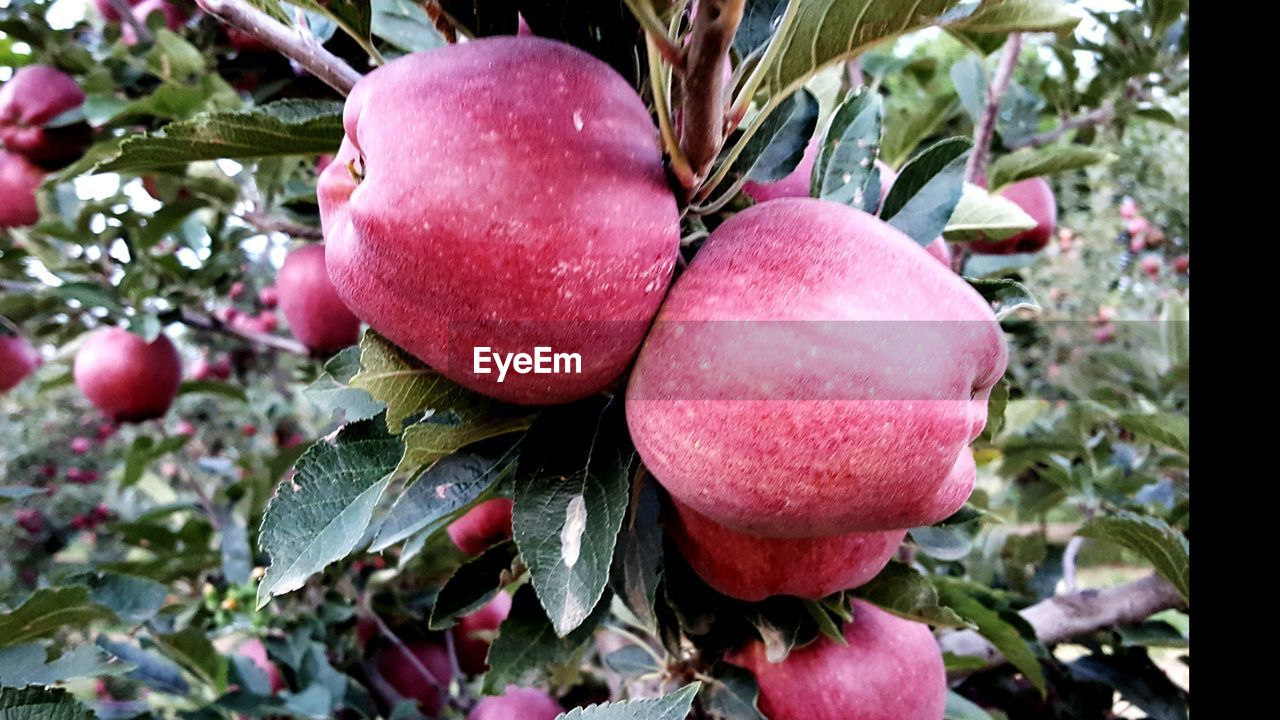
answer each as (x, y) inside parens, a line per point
(185, 427)
(268, 321)
(891, 669)
(407, 679)
(237, 290)
(1181, 265)
(80, 445)
(127, 378)
(256, 652)
(474, 632)
(19, 180)
(33, 98)
(268, 297)
(29, 520)
(517, 703)
(754, 568)
(557, 231)
(17, 360)
(815, 372)
(1105, 334)
(483, 526)
(314, 311)
(174, 17)
(1151, 266)
(108, 11)
(1035, 197)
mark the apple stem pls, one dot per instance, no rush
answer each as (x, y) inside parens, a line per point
(1071, 615)
(976, 170)
(125, 12)
(300, 47)
(714, 26)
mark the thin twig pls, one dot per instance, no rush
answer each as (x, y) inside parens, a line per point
(396, 642)
(301, 48)
(202, 321)
(127, 17)
(703, 131)
(976, 170)
(1100, 116)
(268, 224)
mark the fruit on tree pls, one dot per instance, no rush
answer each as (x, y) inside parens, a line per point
(108, 10)
(315, 313)
(19, 180)
(474, 632)
(80, 445)
(517, 703)
(508, 194)
(18, 359)
(483, 526)
(34, 105)
(891, 669)
(127, 378)
(29, 520)
(406, 677)
(174, 17)
(268, 297)
(754, 568)
(1151, 266)
(1035, 197)
(256, 652)
(1182, 264)
(815, 372)
(1105, 334)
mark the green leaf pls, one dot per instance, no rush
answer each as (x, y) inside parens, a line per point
(996, 405)
(171, 57)
(944, 543)
(908, 125)
(927, 191)
(1010, 16)
(637, 563)
(845, 170)
(332, 393)
(193, 651)
(473, 584)
(355, 17)
(631, 661)
(285, 127)
(970, 80)
(37, 703)
(321, 516)
(450, 485)
(1032, 163)
(1000, 633)
(774, 153)
(404, 24)
(733, 693)
(1006, 295)
(30, 664)
(527, 647)
(1138, 680)
(1168, 429)
(48, 611)
(134, 599)
(90, 295)
(1152, 538)
(961, 708)
(1162, 14)
(145, 450)
(572, 488)
(981, 215)
(675, 706)
(906, 593)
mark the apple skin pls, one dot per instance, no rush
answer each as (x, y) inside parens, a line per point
(18, 359)
(517, 703)
(559, 230)
(468, 642)
(846, 404)
(891, 670)
(483, 526)
(108, 11)
(401, 673)
(34, 96)
(754, 568)
(1035, 197)
(174, 17)
(125, 377)
(19, 180)
(315, 313)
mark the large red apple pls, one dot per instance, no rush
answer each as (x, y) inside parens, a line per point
(498, 196)
(407, 679)
(517, 703)
(815, 372)
(34, 97)
(891, 669)
(754, 568)
(474, 632)
(174, 17)
(1035, 197)
(316, 315)
(19, 180)
(127, 378)
(17, 360)
(483, 526)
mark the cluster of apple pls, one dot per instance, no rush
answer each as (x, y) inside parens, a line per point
(1146, 238)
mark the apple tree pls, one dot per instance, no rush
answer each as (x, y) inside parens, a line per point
(736, 359)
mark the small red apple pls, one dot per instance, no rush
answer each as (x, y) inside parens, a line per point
(484, 525)
(30, 520)
(314, 311)
(19, 180)
(404, 676)
(268, 297)
(185, 427)
(267, 321)
(517, 703)
(127, 378)
(1105, 334)
(106, 430)
(1035, 197)
(33, 98)
(249, 430)
(18, 359)
(474, 632)
(174, 17)
(754, 568)
(891, 669)
(1151, 266)
(1181, 265)
(80, 445)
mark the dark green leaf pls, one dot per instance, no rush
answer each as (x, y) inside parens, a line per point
(927, 191)
(845, 170)
(37, 703)
(30, 664)
(733, 695)
(473, 584)
(450, 485)
(1152, 538)
(527, 647)
(675, 706)
(1043, 162)
(48, 611)
(906, 593)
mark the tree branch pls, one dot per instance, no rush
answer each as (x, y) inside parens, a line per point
(265, 223)
(714, 25)
(1101, 116)
(1072, 615)
(201, 321)
(127, 17)
(302, 49)
(976, 170)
